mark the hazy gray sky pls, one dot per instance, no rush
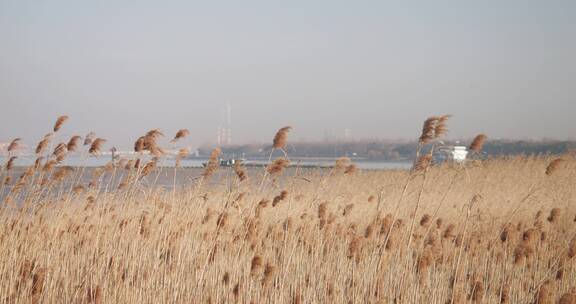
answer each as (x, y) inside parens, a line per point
(119, 68)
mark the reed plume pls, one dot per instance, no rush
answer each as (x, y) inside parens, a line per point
(351, 169)
(280, 197)
(60, 149)
(478, 143)
(96, 146)
(14, 144)
(148, 143)
(441, 127)
(278, 166)
(568, 298)
(213, 163)
(553, 166)
(422, 163)
(269, 271)
(89, 138)
(43, 144)
(240, 172)
(281, 138)
(61, 173)
(38, 283)
(139, 144)
(149, 167)
(73, 143)
(554, 215)
(180, 134)
(154, 134)
(256, 265)
(94, 295)
(59, 122)
(10, 163)
(544, 295)
(428, 130)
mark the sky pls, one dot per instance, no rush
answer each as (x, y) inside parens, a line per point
(377, 68)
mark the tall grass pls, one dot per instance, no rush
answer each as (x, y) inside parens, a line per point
(492, 231)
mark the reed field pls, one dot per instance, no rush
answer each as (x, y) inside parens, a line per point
(485, 231)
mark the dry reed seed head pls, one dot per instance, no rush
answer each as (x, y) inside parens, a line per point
(256, 265)
(478, 143)
(137, 164)
(60, 149)
(38, 281)
(109, 167)
(278, 166)
(14, 144)
(351, 169)
(572, 248)
(42, 145)
(545, 294)
(428, 130)
(439, 223)
(425, 260)
(226, 278)
(49, 165)
(553, 166)
(505, 294)
(240, 172)
(89, 138)
(280, 197)
(59, 122)
(568, 298)
(530, 236)
(555, 214)
(236, 290)
(94, 295)
(73, 143)
(96, 146)
(354, 247)
(425, 220)
(449, 232)
(222, 220)
(148, 168)
(441, 127)
(7, 180)
(422, 163)
(477, 291)
(322, 210)
(61, 173)
(129, 164)
(10, 163)
(281, 138)
(78, 189)
(213, 163)
(180, 134)
(154, 134)
(269, 271)
(139, 144)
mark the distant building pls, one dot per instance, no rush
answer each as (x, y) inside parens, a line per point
(224, 131)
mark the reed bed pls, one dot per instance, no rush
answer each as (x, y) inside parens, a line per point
(489, 231)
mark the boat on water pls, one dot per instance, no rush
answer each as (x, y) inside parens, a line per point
(227, 162)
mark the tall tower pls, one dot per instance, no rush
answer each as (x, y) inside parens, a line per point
(224, 133)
